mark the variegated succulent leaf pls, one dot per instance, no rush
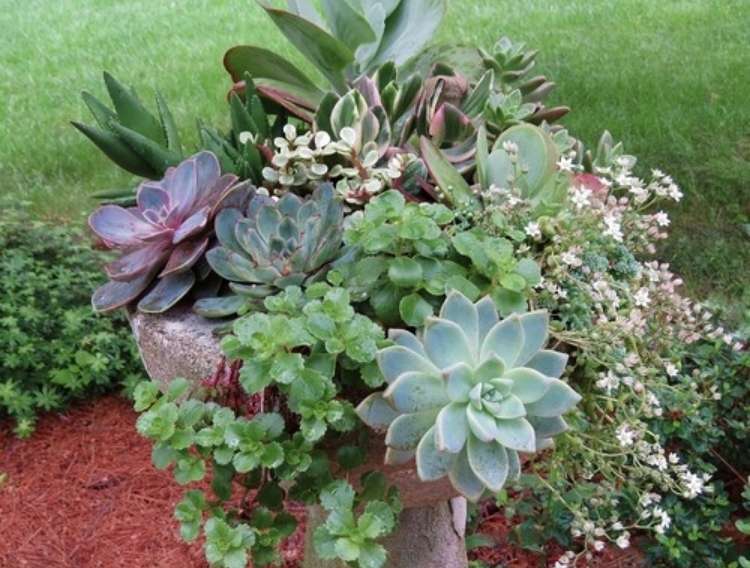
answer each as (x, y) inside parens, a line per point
(163, 238)
(470, 392)
(273, 244)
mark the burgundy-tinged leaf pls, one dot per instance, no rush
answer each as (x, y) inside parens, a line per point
(218, 189)
(114, 295)
(151, 196)
(207, 169)
(182, 187)
(138, 262)
(549, 114)
(167, 293)
(287, 101)
(235, 197)
(449, 124)
(369, 90)
(184, 257)
(191, 226)
(118, 226)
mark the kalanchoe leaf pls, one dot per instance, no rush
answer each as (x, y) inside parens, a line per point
(167, 233)
(469, 420)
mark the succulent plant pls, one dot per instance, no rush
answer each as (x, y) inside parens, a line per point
(469, 393)
(522, 96)
(131, 136)
(274, 244)
(350, 38)
(165, 236)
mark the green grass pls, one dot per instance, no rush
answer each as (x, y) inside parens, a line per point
(669, 77)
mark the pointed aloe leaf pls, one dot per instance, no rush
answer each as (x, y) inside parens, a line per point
(222, 307)
(327, 53)
(432, 464)
(550, 363)
(446, 344)
(159, 157)
(101, 113)
(406, 431)
(489, 462)
(558, 399)
(131, 113)
(240, 117)
(451, 428)
(395, 361)
(464, 480)
(117, 151)
(505, 340)
(516, 434)
(416, 391)
(167, 293)
(267, 68)
(408, 29)
(347, 24)
(376, 412)
(528, 385)
(168, 125)
(449, 179)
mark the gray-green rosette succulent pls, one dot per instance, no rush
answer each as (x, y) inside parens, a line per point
(468, 393)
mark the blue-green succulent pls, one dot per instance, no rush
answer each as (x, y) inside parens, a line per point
(468, 393)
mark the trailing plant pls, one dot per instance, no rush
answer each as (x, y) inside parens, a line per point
(53, 349)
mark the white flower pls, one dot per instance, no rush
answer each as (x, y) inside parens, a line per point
(662, 219)
(533, 230)
(290, 132)
(674, 192)
(671, 369)
(581, 197)
(626, 435)
(623, 541)
(694, 485)
(598, 545)
(571, 259)
(608, 382)
(246, 137)
(642, 298)
(565, 164)
(612, 227)
(617, 526)
(658, 174)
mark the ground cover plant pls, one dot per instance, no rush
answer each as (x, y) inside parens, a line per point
(54, 349)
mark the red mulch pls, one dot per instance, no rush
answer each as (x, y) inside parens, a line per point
(82, 493)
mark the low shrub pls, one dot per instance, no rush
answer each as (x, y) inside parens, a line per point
(53, 348)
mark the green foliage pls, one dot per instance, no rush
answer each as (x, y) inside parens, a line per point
(53, 349)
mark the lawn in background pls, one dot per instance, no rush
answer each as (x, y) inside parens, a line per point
(669, 77)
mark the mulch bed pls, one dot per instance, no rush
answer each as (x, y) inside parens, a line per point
(82, 493)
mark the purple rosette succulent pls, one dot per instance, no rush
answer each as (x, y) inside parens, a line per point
(163, 239)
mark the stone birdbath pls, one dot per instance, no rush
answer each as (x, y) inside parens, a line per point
(431, 530)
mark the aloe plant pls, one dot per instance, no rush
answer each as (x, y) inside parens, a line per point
(165, 236)
(272, 245)
(469, 393)
(130, 135)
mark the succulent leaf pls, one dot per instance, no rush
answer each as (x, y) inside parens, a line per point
(166, 234)
(463, 394)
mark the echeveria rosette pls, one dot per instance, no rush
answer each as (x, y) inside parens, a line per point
(164, 237)
(274, 244)
(469, 393)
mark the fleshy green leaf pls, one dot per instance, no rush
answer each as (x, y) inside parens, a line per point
(432, 464)
(406, 431)
(558, 399)
(451, 428)
(516, 434)
(489, 461)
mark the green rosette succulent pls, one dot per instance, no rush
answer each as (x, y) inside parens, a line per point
(274, 244)
(469, 393)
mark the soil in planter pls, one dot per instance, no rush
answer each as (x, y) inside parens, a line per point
(82, 493)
